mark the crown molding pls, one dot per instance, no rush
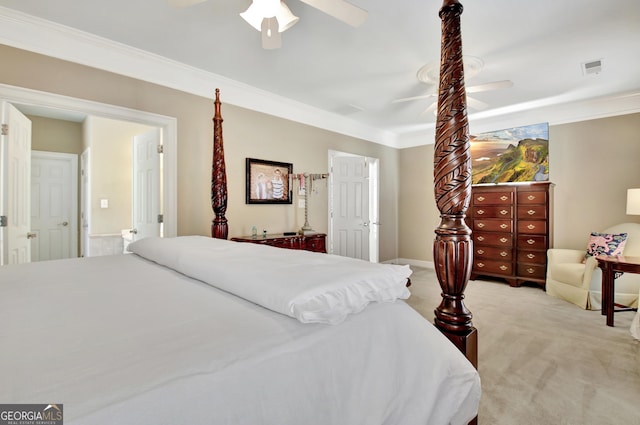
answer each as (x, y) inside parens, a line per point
(37, 35)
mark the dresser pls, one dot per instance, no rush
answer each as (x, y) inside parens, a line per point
(512, 230)
(315, 242)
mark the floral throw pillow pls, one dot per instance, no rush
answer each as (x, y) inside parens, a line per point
(606, 244)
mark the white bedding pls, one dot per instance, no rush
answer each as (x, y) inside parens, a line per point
(122, 340)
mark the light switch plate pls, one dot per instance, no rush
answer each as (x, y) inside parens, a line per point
(104, 203)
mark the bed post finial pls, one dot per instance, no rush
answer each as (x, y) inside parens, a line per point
(452, 248)
(219, 226)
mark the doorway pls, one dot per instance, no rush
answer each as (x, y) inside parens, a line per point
(353, 206)
(61, 106)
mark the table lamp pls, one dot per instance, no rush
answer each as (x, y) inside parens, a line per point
(633, 201)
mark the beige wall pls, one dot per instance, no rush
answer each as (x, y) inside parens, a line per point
(246, 134)
(53, 135)
(592, 164)
(111, 163)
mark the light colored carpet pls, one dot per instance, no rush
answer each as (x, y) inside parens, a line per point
(543, 360)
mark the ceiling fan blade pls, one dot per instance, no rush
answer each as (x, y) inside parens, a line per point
(476, 104)
(184, 3)
(271, 37)
(409, 99)
(341, 10)
(431, 108)
(490, 86)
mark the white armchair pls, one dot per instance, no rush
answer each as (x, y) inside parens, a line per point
(580, 283)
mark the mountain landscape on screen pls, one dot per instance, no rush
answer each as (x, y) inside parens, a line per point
(519, 154)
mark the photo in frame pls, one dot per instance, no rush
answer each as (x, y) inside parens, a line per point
(268, 182)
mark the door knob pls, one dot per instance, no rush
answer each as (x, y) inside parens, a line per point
(64, 223)
(133, 231)
(31, 235)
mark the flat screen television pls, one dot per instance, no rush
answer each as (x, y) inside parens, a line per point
(519, 154)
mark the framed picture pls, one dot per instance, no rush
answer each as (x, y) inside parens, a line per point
(268, 182)
(519, 154)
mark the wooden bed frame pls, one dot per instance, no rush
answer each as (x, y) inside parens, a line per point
(452, 182)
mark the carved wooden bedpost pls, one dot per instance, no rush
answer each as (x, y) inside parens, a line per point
(219, 227)
(452, 248)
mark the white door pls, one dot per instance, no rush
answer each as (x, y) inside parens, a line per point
(351, 187)
(16, 176)
(54, 205)
(146, 185)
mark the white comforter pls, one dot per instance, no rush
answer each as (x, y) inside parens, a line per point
(121, 340)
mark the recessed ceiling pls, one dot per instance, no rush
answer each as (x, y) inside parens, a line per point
(356, 73)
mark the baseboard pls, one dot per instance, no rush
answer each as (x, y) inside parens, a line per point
(411, 262)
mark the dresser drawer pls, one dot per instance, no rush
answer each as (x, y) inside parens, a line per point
(492, 212)
(532, 211)
(532, 242)
(495, 239)
(532, 197)
(495, 267)
(315, 244)
(537, 257)
(492, 253)
(538, 227)
(493, 225)
(533, 271)
(493, 198)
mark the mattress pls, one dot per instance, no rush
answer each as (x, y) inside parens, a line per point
(122, 339)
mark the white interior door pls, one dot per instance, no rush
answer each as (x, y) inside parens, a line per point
(349, 215)
(54, 205)
(16, 165)
(146, 185)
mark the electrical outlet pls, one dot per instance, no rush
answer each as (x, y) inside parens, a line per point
(104, 203)
(301, 203)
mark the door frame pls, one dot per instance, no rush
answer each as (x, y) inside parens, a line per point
(374, 201)
(27, 97)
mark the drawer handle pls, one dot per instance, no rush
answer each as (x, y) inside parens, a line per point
(504, 198)
(481, 225)
(480, 251)
(503, 267)
(481, 198)
(531, 212)
(480, 212)
(503, 240)
(503, 254)
(531, 226)
(503, 226)
(504, 212)
(531, 241)
(480, 265)
(480, 238)
(531, 256)
(531, 197)
(530, 270)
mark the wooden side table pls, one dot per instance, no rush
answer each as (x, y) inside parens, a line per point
(610, 266)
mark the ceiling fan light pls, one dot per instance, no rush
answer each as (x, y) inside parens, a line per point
(253, 15)
(285, 18)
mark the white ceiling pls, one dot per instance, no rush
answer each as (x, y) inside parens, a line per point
(342, 78)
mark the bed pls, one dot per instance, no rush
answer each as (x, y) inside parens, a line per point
(202, 330)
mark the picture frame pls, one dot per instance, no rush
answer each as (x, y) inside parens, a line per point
(268, 182)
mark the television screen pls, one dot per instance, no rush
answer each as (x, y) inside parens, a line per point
(519, 154)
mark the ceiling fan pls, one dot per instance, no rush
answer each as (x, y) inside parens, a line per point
(429, 74)
(272, 17)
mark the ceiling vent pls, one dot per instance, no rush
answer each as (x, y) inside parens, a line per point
(592, 67)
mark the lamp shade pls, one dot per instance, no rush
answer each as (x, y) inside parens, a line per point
(261, 9)
(633, 201)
